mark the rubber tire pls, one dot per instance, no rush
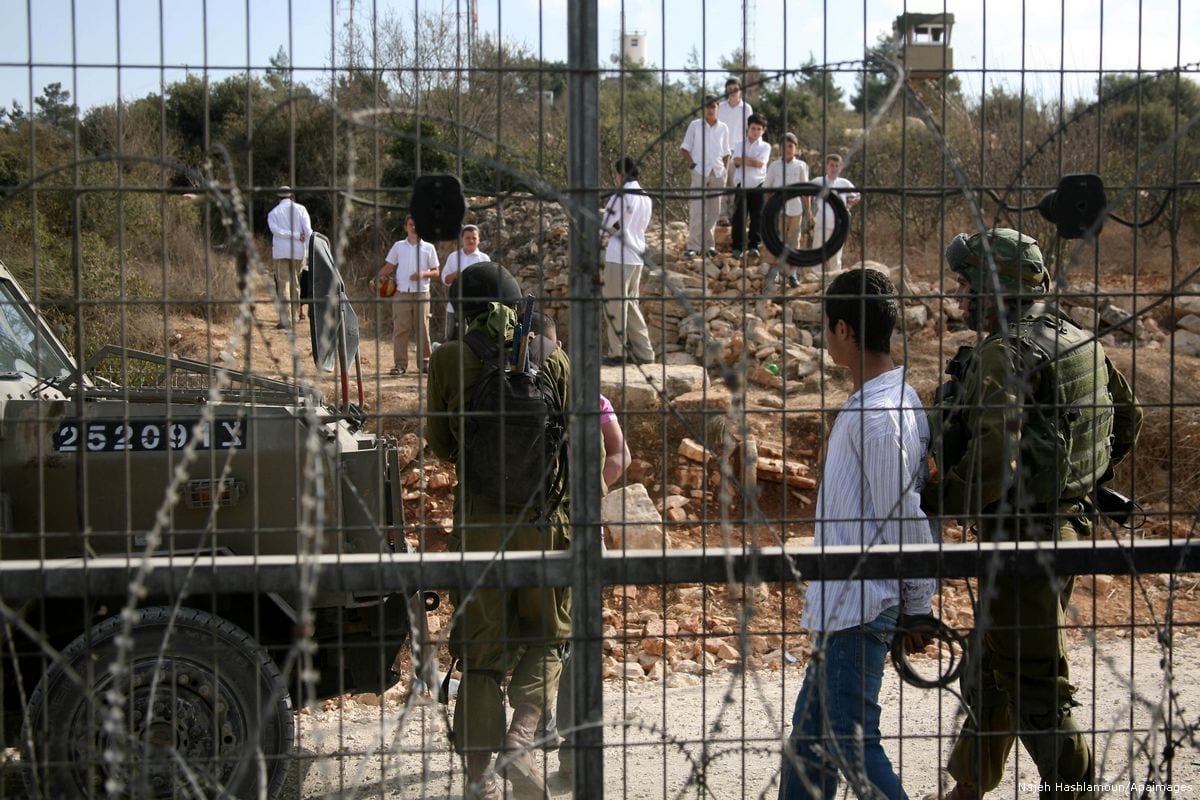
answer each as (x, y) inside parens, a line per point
(62, 763)
(812, 256)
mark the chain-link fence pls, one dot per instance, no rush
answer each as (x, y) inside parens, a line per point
(733, 519)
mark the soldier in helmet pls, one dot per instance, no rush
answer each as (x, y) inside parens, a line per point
(1035, 420)
(497, 630)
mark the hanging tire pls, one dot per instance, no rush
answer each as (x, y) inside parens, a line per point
(211, 718)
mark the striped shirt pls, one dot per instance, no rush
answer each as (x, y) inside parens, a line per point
(870, 494)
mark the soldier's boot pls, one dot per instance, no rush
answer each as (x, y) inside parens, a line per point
(482, 783)
(519, 762)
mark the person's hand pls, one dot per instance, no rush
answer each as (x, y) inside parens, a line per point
(918, 635)
(807, 224)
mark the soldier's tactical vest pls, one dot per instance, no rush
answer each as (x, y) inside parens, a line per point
(1066, 435)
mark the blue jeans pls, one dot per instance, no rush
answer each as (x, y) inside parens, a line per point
(835, 726)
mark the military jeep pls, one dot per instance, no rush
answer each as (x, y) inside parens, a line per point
(179, 693)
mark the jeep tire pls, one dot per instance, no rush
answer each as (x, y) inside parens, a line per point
(211, 717)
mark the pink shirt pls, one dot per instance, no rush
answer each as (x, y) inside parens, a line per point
(607, 414)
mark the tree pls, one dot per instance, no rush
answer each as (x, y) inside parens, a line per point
(55, 107)
(697, 79)
(740, 64)
(807, 103)
(279, 74)
(16, 115)
(873, 83)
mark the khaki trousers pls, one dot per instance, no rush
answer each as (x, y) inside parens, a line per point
(626, 325)
(791, 238)
(502, 631)
(287, 285)
(703, 208)
(410, 318)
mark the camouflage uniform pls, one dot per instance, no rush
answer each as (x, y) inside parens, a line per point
(1039, 418)
(497, 630)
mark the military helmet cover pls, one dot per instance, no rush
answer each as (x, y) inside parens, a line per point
(481, 284)
(1019, 265)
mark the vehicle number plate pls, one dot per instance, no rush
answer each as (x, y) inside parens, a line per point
(107, 436)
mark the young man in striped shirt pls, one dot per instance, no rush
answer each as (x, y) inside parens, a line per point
(870, 494)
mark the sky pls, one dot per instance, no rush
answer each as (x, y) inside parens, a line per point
(102, 49)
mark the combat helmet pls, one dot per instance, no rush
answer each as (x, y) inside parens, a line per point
(481, 284)
(1020, 269)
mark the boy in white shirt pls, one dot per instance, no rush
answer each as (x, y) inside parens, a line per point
(706, 151)
(735, 112)
(411, 262)
(750, 158)
(784, 171)
(456, 262)
(626, 218)
(870, 495)
(825, 220)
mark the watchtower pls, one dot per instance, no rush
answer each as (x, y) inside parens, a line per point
(924, 41)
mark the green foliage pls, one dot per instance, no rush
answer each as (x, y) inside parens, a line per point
(807, 103)
(55, 107)
(497, 118)
(873, 84)
(646, 120)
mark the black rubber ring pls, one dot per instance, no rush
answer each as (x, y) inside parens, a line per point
(804, 257)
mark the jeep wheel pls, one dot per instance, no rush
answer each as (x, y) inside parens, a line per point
(211, 717)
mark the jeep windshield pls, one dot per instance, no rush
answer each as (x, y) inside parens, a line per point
(25, 346)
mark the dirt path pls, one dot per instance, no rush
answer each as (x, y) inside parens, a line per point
(724, 733)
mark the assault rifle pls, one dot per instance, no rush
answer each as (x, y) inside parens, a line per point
(520, 353)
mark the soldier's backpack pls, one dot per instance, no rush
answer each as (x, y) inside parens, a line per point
(516, 435)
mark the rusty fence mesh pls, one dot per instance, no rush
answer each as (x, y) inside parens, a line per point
(262, 534)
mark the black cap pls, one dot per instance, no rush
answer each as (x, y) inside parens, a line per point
(480, 284)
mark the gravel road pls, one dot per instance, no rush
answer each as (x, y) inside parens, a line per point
(719, 737)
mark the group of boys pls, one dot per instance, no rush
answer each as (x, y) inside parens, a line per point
(726, 152)
(410, 265)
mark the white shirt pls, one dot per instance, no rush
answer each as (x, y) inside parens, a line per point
(707, 145)
(759, 151)
(631, 208)
(409, 260)
(456, 262)
(870, 494)
(288, 221)
(781, 174)
(824, 213)
(734, 118)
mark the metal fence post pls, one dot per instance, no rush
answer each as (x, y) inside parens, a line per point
(583, 176)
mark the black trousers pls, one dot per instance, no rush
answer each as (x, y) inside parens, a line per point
(747, 199)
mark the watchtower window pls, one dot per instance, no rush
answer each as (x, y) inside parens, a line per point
(928, 34)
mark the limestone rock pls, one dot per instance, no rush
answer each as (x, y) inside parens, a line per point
(632, 521)
(1186, 342)
(1190, 322)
